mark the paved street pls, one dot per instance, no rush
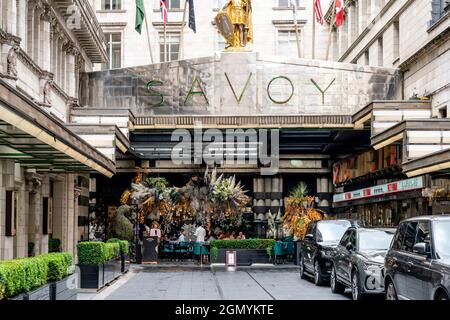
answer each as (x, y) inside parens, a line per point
(150, 283)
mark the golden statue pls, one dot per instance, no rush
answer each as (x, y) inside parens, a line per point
(234, 22)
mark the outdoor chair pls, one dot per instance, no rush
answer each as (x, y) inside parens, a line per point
(204, 251)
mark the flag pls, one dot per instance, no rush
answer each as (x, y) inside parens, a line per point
(340, 13)
(140, 16)
(163, 7)
(192, 16)
(318, 11)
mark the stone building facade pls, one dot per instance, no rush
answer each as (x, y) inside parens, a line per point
(44, 47)
(274, 30)
(412, 36)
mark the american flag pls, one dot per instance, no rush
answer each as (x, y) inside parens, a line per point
(163, 7)
(318, 11)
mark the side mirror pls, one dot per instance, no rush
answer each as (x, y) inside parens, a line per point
(309, 237)
(349, 247)
(420, 248)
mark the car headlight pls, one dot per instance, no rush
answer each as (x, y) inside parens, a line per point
(372, 268)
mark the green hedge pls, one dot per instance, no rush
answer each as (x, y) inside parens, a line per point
(123, 244)
(258, 244)
(91, 252)
(96, 252)
(23, 275)
(58, 265)
(112, 250)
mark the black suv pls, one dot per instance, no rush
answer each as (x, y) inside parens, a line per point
(316, 248)
(417, 265)
(358, 261)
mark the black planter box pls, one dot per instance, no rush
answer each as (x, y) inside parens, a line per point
(124, 263)
(65, 289)
(244, 257)
(41, 293)
(117, 268)
(20, 296)
(111, 270)
(91, 276)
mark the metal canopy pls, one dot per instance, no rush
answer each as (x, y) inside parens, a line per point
(38, 140)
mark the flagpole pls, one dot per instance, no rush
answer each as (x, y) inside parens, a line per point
(333, 18)
(313, 33)
(165, 43)
(297, 34)
(182, 31)
(148, 33)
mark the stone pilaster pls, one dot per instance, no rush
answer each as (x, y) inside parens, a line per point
(34, 188)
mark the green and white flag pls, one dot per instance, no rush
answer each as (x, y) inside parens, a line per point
(140, 16)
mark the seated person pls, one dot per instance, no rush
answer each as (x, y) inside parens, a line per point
(211, 236)
(233, 235)
(241, 236)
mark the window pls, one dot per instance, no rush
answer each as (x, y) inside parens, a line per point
(173, 4)
(443, 112)
(111, 4)
(423, 232)
(11, 214)
(287, 3)
(380, 52)
(345, 238)
(287, 43)
(396, 39)
(114, 49)
(172, 46)
(366, 58)
(398, 238)
(352, 239)
(439, 7)
(410, 236)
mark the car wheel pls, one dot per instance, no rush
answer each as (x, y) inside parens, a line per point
(391, 294)
(302, 269)
(356, 288)
(442, 297)
(336, 286)
(318, 279)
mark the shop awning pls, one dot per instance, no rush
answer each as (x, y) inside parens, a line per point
(438, 162)
(36, 139)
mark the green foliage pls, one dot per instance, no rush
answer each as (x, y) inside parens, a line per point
(123, 245)
(22, 275)
(300, 191)
(243, 244)
(121, 226)
(112, 250)
(54, 245)
(158, 183)
(91, 252)
(214, 254)
(58, 265)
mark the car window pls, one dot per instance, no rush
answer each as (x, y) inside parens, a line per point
(352, 238)
(399, 236)
(410, 236)
(374, 240)
(310, 229)
(331, 231)
(345, 237)
(423, 232)
(441, 239)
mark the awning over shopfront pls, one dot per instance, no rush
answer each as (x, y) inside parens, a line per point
(438, 162)
(38, 140)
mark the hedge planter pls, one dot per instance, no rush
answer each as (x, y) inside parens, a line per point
(244, 257)
(65, 289)
(91, 276)
(41, 293)
(109, 273)
(124, 263)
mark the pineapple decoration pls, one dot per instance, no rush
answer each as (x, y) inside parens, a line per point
(300, 211)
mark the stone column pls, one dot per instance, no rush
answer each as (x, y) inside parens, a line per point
(34, 187)
(267, 191)
(63, 211)
(21, 238)
(72, 52)
(45, 40)
(324, 193)
(259, 197)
